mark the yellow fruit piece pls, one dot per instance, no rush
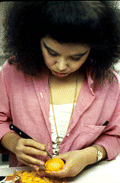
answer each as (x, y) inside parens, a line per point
(42, 181)
(54, 164)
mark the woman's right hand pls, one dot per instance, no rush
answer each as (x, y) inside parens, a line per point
(25, 148)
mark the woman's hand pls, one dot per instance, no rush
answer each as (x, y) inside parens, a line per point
(25, 148)
(76, 161)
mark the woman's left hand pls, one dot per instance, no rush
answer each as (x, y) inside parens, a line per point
(76, 161)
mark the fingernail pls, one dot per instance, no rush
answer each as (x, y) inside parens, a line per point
(45, 154)
(36, 167)
(43, 147)
(42, 163)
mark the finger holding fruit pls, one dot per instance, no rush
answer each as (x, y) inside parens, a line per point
(75, 162)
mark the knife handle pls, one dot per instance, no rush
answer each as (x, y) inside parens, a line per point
(24, 135)
(19, 132)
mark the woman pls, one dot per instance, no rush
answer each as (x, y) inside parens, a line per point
(57, 85)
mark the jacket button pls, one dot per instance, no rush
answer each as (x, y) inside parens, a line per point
(41, 95)
(68, 135)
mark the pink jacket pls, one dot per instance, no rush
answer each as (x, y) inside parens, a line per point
(25, 101)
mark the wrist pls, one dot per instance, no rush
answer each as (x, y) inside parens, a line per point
(9, 141)
(91, 155)
(95, 153)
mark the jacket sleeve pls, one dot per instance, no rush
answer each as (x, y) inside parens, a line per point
(5, 114)
(110, 139)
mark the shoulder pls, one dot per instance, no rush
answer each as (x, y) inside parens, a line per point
(112, 86)
(10, 73)
(116, 80)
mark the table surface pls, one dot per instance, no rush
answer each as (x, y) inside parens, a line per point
(102, 172)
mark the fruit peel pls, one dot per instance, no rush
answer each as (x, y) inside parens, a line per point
(55, 164)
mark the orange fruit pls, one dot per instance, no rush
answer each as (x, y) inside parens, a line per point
(54, 164)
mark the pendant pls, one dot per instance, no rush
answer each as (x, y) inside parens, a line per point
(56, 152)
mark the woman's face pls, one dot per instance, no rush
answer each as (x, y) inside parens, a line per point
(63, 58)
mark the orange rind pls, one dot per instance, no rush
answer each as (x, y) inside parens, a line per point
(55, 164)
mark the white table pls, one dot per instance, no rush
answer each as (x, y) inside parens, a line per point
(102, 172)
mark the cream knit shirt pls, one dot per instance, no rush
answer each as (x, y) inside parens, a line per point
(62, 117)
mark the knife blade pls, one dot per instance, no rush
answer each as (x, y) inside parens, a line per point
(24, 135)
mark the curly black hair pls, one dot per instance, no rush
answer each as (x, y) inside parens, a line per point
(95, 23)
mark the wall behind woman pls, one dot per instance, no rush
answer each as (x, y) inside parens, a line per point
(3, 5)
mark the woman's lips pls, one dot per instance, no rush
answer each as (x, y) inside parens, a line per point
(60, 74)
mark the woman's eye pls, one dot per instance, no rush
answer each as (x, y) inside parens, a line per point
(76, 59)
(52, 54)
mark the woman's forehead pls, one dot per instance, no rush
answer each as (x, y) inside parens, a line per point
(56, 46)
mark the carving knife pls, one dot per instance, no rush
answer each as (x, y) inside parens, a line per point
(24, 135)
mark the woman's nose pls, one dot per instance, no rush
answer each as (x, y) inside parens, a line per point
(62, 64)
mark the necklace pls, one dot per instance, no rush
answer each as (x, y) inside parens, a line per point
(51, 100)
